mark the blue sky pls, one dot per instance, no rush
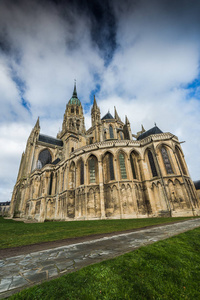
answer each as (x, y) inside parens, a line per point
(140, 56)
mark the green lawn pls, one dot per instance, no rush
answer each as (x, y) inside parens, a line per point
(15, 233)
(168, 269)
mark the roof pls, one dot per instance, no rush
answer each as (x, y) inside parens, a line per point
(108, 116)
(154, 130)
(50, 140)
(74, 101)
(197, 184)
(5, 203)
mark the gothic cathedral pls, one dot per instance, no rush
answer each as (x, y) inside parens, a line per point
(105, 172)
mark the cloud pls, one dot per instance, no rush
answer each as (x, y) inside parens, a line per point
(140, 56)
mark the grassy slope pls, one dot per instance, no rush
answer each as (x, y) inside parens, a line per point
(168, 269)
(13, 234)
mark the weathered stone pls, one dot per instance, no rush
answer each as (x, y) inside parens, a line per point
(103, 170)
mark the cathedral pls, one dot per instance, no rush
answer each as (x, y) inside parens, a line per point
(105, 172)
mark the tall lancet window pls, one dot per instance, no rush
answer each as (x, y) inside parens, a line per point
(111, 132)
(111, 167)
(82, 172)
(122, 166)
(92, 169)
(166, 160)
(152, 164)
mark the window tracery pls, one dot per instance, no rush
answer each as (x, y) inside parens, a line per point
(122, 166)
(92, 170)
(166, 160)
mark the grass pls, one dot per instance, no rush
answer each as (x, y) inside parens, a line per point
(16, 233)
(168, 269)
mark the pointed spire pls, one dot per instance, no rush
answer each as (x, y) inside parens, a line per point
(94, 103)
(143, 130)
(74, 92)
(127, 121)
(116, 115)
(37, 124)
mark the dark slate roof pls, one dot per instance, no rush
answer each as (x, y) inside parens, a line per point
(56, 161)
(154, 130)
(4, 203)
(197, 184)
(108, 116)
(50, 140)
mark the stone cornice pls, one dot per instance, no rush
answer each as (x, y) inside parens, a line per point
(124, 143)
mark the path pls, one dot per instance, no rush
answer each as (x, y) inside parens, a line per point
(26, 270)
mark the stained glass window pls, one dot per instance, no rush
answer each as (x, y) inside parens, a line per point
(121, 135)
(92, 169)
(152, 164)
(122, 166)
(111, 132)
(111, 167)
(166, 160)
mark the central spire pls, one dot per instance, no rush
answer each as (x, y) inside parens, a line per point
(74, 99)
(74, 92)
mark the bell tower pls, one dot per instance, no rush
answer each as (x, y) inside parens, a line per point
(73, 121)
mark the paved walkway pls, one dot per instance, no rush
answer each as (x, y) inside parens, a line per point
(23, 271)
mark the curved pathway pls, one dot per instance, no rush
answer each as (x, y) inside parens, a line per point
(26, 270)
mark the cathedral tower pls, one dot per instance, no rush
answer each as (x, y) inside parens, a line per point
(73, 121)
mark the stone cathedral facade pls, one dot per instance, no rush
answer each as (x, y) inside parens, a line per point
(104, 172)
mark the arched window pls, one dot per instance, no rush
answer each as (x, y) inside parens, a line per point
(72, 110)
(152, 164)
(133, 165)
(121, 135)
(92, 169)
(122, 166)
(180, 161)
(108, 167)
(77, 111)
(111, 132)
(166, 160)
(44, 158)
(81, 172)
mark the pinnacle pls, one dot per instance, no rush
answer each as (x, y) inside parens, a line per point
(37, 124)
(95, 102)
(116, 115)
(127, 120)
